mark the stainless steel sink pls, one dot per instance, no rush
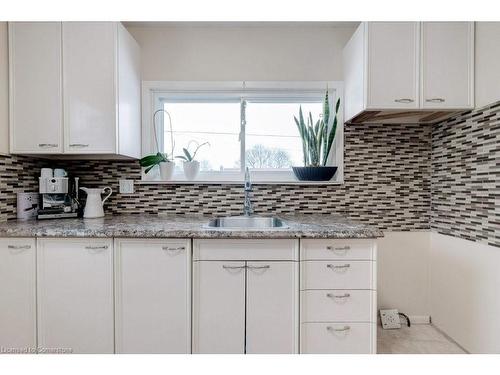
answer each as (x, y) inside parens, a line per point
(246, 222)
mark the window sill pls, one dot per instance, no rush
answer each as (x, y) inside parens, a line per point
(259, 178)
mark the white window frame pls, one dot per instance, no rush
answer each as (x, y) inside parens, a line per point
(155, 93)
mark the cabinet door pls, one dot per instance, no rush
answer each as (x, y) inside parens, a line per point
(17, 295)
(153, 296)
(272, 307)
(89, 63)
(219, 307)
(75, 295)
(35, 87)
(392, 65)
(447, 64)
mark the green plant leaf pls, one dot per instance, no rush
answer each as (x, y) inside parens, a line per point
(188, 155)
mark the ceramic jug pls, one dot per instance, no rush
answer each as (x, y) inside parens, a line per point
(94, 205)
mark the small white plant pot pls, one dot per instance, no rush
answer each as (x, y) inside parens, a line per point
(167, 170)
(191, 169)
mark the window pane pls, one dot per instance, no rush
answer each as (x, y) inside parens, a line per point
(216, 123)
(272, 139)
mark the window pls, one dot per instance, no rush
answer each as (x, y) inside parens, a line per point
(244, 127)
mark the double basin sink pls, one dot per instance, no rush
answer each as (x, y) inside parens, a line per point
(246, 222)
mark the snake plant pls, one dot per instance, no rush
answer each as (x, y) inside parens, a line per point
(317, 137)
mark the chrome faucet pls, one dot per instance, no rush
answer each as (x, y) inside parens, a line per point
(248, 207)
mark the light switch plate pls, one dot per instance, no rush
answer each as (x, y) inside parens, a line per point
(390, 319)
(126, 186)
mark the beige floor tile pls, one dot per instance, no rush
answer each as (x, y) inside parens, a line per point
(418, 339)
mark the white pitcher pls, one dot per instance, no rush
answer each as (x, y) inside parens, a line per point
(94, 205)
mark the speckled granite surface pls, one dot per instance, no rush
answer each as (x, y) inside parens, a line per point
(154, 226)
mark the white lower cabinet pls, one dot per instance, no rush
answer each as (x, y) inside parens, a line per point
(75, 295)
(152, 294)
(242, 304)
(17, 295)
(338, 296)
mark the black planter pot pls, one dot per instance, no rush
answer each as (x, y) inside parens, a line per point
(314, 173)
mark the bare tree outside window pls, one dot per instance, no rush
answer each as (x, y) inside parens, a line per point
(260, 156)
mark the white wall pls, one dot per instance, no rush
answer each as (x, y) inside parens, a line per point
(487, 58)
(237, 53)
(4, 90)
(403, 273)
(465, 292)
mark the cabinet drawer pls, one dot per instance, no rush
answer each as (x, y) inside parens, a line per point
(356, 274)
(337, 305)
(338, 338)
(337, 249)
(243, 249)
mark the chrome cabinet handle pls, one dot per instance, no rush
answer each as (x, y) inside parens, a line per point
(404, 100)
(267, 266)
(104, 247)
(19, 247)
(48, 145)
(345, 295)
(338, 267)
(343, 329)
(79, 145)
(435, 100)
(339, 250)
(173, 248)
(226, 267)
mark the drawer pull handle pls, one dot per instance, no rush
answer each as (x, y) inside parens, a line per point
(343, 329)
(226, 267)
(82, 145)
(18, 248)
(435, 100)
(404, 100)
(267, 266)
(338, 268)
(346, 295)
(180, 248)
(48, 145)
(104, 247)
(339, 250)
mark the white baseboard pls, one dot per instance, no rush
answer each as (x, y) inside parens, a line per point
(420, 319)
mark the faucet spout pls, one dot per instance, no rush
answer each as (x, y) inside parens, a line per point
(247, 206)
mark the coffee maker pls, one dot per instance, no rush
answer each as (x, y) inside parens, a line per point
(59, 197)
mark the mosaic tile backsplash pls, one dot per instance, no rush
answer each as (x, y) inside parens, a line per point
(386, 173)
(465, 183)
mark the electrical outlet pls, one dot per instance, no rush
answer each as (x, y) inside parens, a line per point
(390, 319)
(126, 186)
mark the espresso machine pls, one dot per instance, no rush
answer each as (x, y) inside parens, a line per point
(59, 197)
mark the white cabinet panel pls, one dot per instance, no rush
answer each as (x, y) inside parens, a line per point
(17, 295)
(337, 305)
(393, 65)
(219, 307)
(35, 87)
(337, 249)
(272, 313)
(356, 274)
(447, 64)
(338, 338)
(153, 296)
(75, 295)
(90, 92)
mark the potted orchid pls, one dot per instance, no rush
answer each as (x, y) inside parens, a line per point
(191, 167)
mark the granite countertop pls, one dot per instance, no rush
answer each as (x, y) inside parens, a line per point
(164, 226)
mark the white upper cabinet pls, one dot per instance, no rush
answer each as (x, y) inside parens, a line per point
(35, 87)
(89, 71)
(392, 51)
(399, 71)
(83, 80)
(447, 72)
